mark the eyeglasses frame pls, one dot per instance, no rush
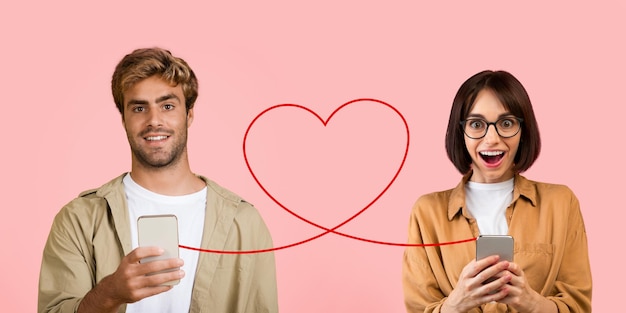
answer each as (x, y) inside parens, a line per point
(519, 119)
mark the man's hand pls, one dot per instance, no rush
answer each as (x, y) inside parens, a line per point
(129, 283)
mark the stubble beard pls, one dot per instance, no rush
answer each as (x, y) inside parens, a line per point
(160, 158)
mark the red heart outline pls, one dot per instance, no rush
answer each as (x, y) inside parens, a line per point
(328, 230)
(325, 123)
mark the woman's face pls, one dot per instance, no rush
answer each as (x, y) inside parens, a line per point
(492, 155)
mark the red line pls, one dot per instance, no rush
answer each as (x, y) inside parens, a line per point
(327, 230)
(320, 235)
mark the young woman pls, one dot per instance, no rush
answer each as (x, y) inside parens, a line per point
(493, 136)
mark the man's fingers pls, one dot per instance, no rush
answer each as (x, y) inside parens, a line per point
(157, 279)
(143, 252)
(158, 266)
(139, 294)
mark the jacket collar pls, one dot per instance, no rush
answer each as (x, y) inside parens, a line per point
(522, 187)
(113, 192)
(116, 186)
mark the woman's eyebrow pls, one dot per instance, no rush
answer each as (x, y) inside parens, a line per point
(476, 115)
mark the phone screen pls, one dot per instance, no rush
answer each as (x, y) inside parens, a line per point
(159, 231)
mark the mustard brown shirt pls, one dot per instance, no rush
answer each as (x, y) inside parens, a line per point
(550, 246)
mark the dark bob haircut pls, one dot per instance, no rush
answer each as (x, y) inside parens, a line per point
(515, 99)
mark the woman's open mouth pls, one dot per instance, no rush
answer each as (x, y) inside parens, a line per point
(491, 157)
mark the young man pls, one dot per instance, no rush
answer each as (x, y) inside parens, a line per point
(91, 261)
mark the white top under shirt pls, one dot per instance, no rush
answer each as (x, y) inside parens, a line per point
(189, 210)
(487, 203)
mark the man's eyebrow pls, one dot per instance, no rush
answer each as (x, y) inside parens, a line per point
(167, 97)
(159, 99)
(136, 102)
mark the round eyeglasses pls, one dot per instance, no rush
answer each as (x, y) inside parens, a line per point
(506, 127)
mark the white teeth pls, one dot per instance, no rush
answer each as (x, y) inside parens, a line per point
(155, 138)
(491, 153)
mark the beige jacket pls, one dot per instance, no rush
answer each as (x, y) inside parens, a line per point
(91, 234)
(550, 246)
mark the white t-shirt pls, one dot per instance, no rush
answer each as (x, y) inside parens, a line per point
(487, 203)
(189, 210)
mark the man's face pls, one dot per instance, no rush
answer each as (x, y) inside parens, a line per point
(156, 123)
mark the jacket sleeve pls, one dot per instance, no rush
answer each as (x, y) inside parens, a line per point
(263, 290)
(573, 282)
(66, 271)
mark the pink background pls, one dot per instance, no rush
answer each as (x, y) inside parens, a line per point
(63, 134)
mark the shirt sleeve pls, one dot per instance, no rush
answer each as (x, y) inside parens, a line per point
(573, 283)
(421, 291)
(424, 280)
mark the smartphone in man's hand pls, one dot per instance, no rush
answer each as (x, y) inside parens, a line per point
(159, 231)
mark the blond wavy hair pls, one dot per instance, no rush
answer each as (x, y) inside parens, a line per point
(147, 62)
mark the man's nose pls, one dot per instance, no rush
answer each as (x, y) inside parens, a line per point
(155, 117)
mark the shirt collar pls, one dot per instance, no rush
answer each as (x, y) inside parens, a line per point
(522, 187)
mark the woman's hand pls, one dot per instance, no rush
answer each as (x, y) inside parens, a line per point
(523, 298)
(470, 292)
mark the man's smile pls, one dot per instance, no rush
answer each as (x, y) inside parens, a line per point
(156, 138)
